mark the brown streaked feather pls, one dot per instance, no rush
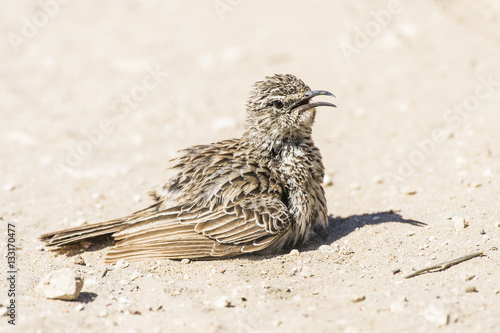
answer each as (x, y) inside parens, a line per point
(73, 235)
(201, 233)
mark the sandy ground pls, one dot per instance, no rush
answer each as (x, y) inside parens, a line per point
(95, 99)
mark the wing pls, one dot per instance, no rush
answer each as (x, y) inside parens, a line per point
(251, 225)
(219, 173)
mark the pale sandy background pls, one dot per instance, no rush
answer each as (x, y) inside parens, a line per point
(414, 141)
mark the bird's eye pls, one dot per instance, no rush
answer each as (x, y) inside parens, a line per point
(278, 104)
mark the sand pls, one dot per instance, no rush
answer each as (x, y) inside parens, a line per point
(97, 97)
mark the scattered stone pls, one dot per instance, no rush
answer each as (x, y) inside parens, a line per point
(122, 263)
(78, 260)
(328, 180)
(222, 302)
(294, 252)
(185, 261)
(358, 299)
(437, 314)
(411, 233)
(9, 187)
(79, 307)
(135, 274)
(306, 272)
(471, 289)
(378, 179)
(396, 271)
(62, 284)
(459, 222)
(85, 244)
(3, 310)
(408, 191)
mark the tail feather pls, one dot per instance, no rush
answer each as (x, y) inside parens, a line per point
(73, 235)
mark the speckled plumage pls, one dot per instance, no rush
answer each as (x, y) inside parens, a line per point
(260, 192)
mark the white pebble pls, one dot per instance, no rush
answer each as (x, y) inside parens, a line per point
(437, 314)
(135, 274)
(222, 302)
(63, 284)
(459, 222)
(122, 263)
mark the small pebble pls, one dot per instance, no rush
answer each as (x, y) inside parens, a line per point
(328, 180)
(63, 284)
(358, 299)
(79, 307)
(9, 187)
(294, 252)
(79, 260)
(459, 222)
(135, 274)
(3, 311)
(378, 179)
(306, 272)
(407, 191)
(222, 302)
(185, 261)
(471, 289)
(437, 314)
(122, 263)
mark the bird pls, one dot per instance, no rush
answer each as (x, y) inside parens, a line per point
(260, 193)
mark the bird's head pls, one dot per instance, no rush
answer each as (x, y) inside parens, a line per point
(280, 108)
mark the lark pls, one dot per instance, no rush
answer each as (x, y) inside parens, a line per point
(258, 193)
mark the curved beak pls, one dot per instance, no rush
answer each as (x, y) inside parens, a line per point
(303, 104)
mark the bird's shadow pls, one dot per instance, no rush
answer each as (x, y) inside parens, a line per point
(339, 227)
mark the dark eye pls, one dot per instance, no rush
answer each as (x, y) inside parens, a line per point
(278, 104)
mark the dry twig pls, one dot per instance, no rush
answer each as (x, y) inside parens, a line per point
(444, 265)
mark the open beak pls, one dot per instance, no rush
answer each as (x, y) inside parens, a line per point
(304, 104)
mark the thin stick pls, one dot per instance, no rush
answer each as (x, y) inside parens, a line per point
(444, 265)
